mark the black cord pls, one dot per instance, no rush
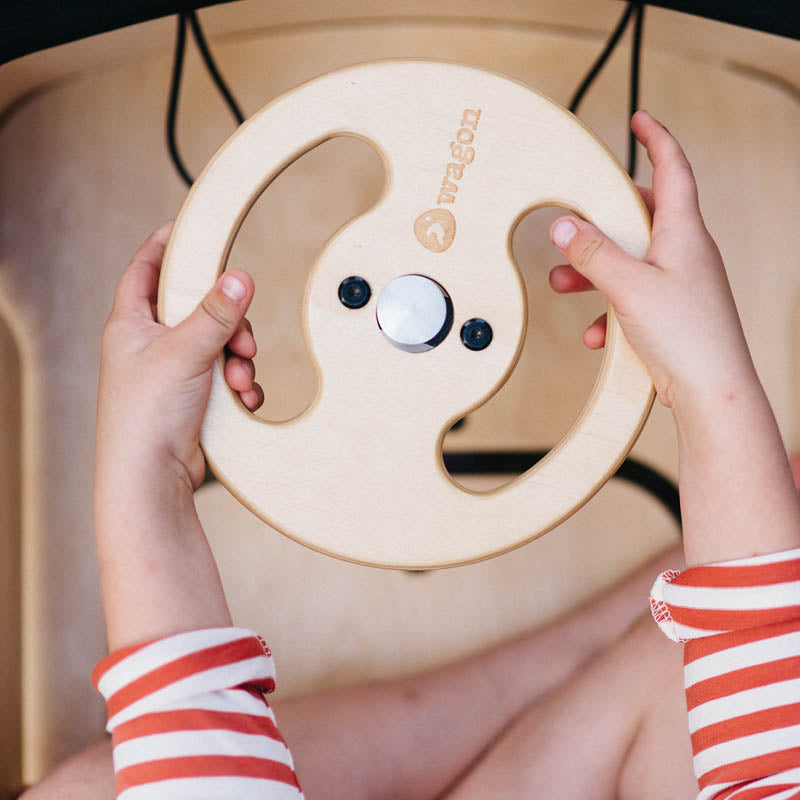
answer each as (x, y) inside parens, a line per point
(190, 18)
(202, 46)
(172, 106)
(600, 62)
(636, 55)
(635, 10)
(514, 462)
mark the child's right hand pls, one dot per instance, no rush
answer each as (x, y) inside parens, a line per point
(675, 306)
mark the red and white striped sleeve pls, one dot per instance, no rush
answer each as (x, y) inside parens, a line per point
(189, 719)
(740, 621)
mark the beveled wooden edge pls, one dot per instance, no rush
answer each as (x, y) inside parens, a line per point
(617, 355)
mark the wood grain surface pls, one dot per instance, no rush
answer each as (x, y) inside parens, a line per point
(10, 558)
(360, 475)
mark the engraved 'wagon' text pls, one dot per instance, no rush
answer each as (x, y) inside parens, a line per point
(462, 154)
(435, 229)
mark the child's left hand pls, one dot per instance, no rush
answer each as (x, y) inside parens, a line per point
(155, 381)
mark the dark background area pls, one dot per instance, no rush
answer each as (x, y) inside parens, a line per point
(30, 25)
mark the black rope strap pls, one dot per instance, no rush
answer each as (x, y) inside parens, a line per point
(189, 18)
(515, 462)
(632, 10)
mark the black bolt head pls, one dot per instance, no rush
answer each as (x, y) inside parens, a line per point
(476, 334)
(354, 292)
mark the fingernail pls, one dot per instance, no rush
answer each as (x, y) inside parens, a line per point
(233, 288)
(563, 231)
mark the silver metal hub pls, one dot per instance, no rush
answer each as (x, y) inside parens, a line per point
(414, 313)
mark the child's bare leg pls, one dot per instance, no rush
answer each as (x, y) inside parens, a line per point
(413, 737)
(89, 775)
(616, 729)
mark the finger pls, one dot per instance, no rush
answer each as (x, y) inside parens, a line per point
(649, 200)
(594, 337)
(596, 257)
(240, 373)
(204, 333)
(674, 187)
(565, 279)
(254, 399)
(243, 342)
(137, 289)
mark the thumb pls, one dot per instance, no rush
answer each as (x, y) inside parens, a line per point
(201, 336)
(596, 257)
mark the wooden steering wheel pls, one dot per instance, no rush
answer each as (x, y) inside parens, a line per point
(414, 313)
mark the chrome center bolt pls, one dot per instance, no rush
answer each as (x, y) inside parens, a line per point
(414, 313)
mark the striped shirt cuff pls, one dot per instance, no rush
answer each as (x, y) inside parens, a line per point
(727, 596)
(189, 720)
(741, 624)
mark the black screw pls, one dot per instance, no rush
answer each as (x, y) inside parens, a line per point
(476, 334)
(354, 292)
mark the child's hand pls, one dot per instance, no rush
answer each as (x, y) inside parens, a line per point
(675, 306)
(677, 311)
(155, 381)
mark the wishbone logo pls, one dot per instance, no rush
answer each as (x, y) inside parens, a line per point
(435, 229)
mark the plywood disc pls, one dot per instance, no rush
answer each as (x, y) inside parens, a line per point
(359, 475)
